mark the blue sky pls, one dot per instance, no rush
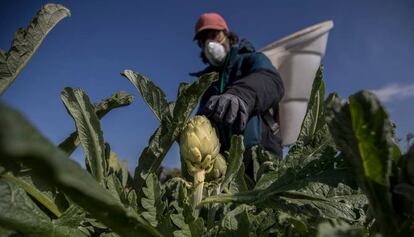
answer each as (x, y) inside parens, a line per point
(370, 47)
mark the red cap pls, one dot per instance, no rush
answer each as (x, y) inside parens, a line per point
(210, 21)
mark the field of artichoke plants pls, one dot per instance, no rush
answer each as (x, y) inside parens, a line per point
(345, 175)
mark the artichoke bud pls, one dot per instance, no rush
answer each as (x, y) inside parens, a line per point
(199, 144)
(218, 170)
(113, 162)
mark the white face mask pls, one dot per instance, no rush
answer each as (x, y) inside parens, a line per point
(215, 53)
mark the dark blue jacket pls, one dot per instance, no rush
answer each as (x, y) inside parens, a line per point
(251, 76)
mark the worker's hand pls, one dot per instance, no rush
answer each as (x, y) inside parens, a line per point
(228, 108)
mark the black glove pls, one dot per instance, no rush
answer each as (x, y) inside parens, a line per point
(228, 108)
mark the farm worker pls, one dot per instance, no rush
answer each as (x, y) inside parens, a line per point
(249, 86)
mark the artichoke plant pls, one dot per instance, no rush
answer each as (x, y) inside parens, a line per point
(219, 169)
(199, 148)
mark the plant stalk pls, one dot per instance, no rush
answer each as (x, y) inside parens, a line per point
(199, 177)
(35, 193)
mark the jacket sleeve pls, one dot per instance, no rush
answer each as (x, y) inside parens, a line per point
(204, 98)
(261, 88)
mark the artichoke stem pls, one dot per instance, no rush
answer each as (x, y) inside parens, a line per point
(199, 177)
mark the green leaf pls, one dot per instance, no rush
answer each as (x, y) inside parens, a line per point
(111, 234)
(236, 222)
(89, 129)
(163, 138)
(7, 233)
(315, 206)
(188, 225)
(189, 98)
(314, 136)
(114, 186)
(21, 142)
(408, 165)
(35, 193)
(152, 203)
(261, 222)
(314, 118)
(179, 221)
(54, 202)
(152, 94)
(117, 168)
(234, 160)
(260, 156)
(363, 132)
(321, 189)
(239, 184)
(72, 217)
(291, 225)
(132, 199)
(18, 212)
(182, 87)
(183, 217)
(340, 229)
(26, 41)
(70, 144)
(117, 100)
(123, 173)
(372, 131)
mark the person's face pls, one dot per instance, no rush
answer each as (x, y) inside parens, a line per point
(214, 35)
